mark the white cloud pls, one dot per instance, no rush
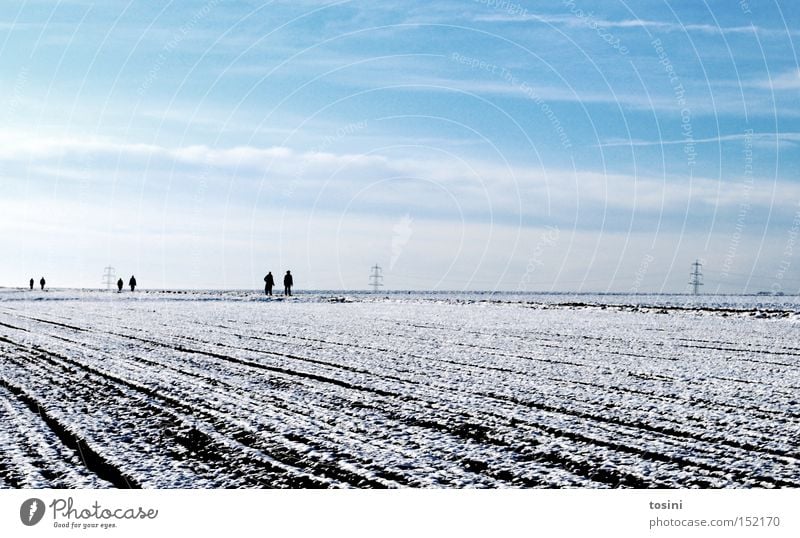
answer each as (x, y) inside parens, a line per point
(19, 148)
(785, 81)
(525, 89)
(755, 137)
(428, 181)
(664, 26)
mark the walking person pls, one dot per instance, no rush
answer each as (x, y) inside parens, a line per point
(132, 283)
(120, 283)
(288, 282)
(31, 283)
(270, 283)
(42, 282)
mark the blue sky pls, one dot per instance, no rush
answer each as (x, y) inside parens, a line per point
(594, 146)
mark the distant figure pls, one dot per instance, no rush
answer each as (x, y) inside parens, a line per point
(270, 280)
(288, 282)
(42, 282)
(132, 283)
(120, 283)
(31, 284)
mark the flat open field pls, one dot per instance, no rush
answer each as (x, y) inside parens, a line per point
(232, 390)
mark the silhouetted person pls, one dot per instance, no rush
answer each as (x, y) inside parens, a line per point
(42, 282)
(31, 284)
(132, 283)
(270, 280)
(288, 282)
(120, 283)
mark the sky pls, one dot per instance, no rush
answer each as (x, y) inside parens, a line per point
(461, 145)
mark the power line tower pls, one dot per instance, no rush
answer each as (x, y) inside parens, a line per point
(376, 277)
(696, 276)
(109, 277)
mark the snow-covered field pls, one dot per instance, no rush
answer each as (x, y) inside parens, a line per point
(216, 389)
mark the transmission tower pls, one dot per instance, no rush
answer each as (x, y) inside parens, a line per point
(696, 276)
(109, 276)
(376, 277)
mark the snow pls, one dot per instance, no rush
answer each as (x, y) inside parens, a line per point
(233, 389)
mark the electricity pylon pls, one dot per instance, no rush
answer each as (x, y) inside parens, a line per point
(696, 276)
(376, 277)
(109, 276)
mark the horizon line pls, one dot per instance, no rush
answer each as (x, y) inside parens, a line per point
(400, 290)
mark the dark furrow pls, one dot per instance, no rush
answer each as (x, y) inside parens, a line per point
(199, 444)
(742, 476)
(456, 429)
(56, 323)
(13, 327)
(284, 454)
(752, 382)
(276, 369)
(602, 341)
(759, 350)
(658, 429)
(648, 427)
(11, 476)
(656, 456)
(664, 397)
(655, 429)
(553, 409)
(598, 418)
(746, 351)
(465, 430)
(215, 381)
(765, 414)
(93, 461)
